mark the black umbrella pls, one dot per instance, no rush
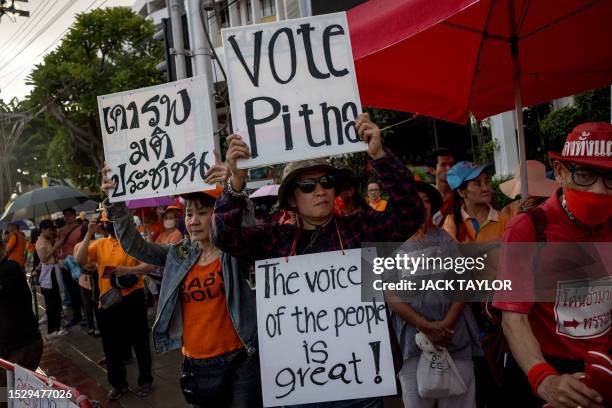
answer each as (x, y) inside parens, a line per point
(43, 201)
(87, 206)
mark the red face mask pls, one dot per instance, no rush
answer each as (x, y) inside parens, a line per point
(589, 208)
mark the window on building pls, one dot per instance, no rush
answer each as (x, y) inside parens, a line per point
(249, 11)
(223, 16)
(268, 8)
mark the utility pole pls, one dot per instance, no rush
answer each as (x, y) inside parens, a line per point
(175, 11)
(201, 55)
(6, 9)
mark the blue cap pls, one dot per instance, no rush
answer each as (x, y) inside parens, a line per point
(464, 171)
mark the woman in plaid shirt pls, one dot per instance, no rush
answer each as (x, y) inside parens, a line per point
(309, 188)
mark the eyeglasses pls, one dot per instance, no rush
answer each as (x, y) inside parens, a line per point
(308, 185)
(586, 177)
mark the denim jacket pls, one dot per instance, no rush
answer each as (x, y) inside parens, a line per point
(177, 260)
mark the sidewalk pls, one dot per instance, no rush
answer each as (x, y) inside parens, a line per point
(72, 359)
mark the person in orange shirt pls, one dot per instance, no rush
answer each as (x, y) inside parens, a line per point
(149, 227)
(122, 323)
(16, 245)
(70, 235)
(473, 218)
(374, 196)
(170, 235)
(206, 306)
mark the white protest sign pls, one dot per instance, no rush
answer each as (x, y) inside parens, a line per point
(293, 90)
(157, 140)
(318, 341)
(30, 392)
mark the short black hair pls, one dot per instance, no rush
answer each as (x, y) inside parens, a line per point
(441, 151)
(69, 211)
(45, 224)
(374, 181)
(205, 200)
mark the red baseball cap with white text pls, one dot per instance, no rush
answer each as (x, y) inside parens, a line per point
(589, 144)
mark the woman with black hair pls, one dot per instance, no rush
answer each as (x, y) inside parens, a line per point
(206, 306)
(473, 218)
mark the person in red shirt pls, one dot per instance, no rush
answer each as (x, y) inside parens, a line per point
(547, 352)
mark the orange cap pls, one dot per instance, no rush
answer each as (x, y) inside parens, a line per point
(214, 192)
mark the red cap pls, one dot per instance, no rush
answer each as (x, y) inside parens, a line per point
(589, 144)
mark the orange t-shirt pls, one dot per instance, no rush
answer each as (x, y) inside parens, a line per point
(108, 252)
(73, 239)
(154, 229)
(16, 247)
(171, 237)
(207, 326)
(381, 205)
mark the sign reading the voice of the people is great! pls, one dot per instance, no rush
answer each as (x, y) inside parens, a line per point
(157, 140)
(318, 341)
(293, 90)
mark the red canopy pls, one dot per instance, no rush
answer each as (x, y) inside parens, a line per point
(447, 58)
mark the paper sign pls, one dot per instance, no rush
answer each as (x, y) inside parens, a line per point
(318, 341)
(158, 140)
(293, 90)
(30, 392)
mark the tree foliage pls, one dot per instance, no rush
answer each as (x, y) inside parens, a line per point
(591, 106)
(105, 51)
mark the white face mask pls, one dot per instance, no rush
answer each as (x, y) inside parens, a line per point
(169, 224)
(98, 236)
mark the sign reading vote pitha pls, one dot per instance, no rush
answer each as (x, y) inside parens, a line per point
(157, 140)
(293, 90)
(318, 341)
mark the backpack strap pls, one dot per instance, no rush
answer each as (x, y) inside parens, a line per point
(539, 221)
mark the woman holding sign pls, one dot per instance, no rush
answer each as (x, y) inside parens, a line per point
(205, 304)
(308, 188)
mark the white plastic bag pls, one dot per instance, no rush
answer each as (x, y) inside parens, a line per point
(437, 374)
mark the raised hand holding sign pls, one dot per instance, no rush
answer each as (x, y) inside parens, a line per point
(293, 90)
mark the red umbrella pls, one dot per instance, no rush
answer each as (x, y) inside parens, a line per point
(446, 59)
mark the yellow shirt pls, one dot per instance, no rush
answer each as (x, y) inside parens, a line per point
(379, 206)
(491, 230)
(108, 252)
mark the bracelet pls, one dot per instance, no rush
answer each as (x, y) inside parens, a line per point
(538, 373)
(230, 190)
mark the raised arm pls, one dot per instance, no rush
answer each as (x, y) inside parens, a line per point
(404, 213)
(82, 251)
(233, 231)
(130, 239)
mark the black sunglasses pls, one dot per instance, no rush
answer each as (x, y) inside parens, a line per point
(586, 177)
(308, 185)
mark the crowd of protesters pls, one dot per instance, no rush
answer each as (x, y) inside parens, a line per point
(192, 260)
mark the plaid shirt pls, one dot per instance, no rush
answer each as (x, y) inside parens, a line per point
(403, 216)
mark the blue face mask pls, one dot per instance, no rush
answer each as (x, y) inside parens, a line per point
(98, 236)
